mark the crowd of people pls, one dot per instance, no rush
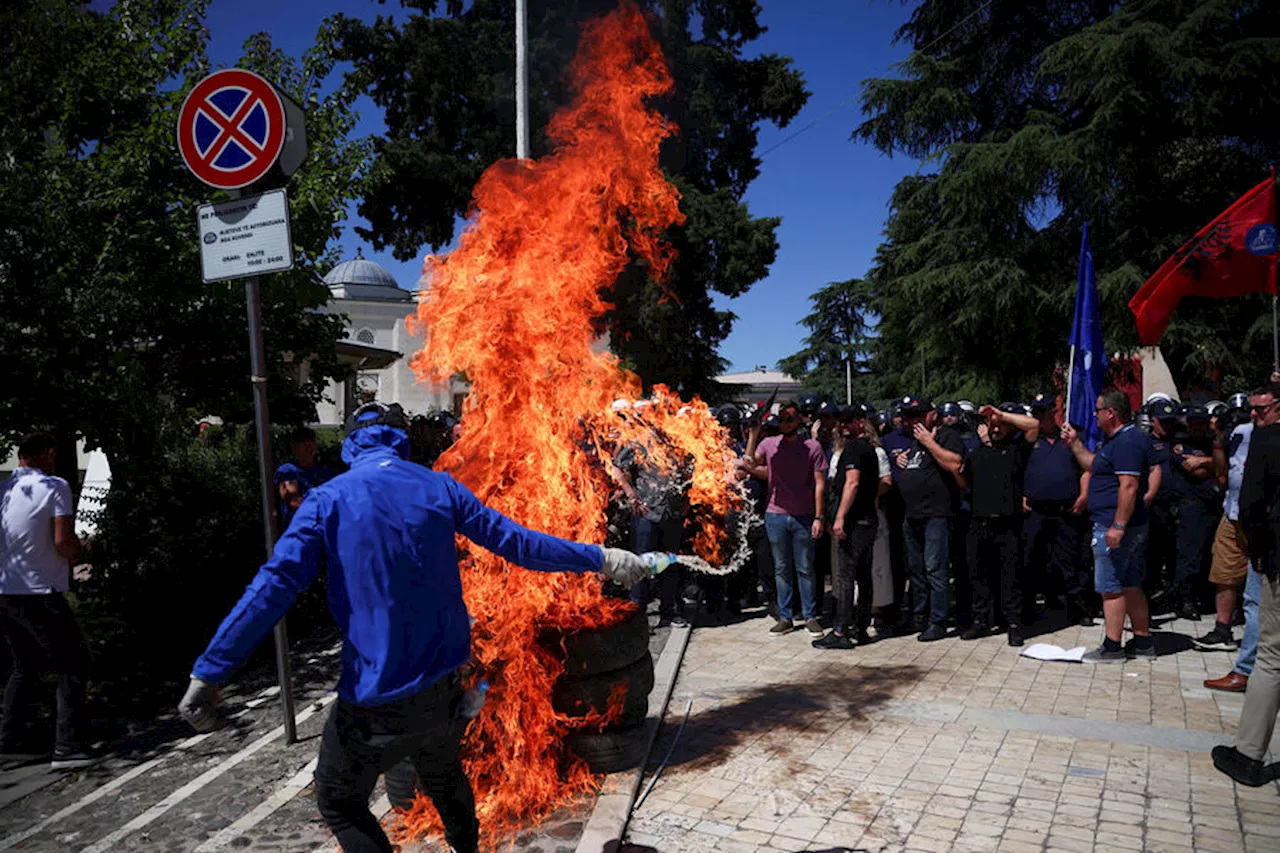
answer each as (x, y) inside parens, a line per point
(962, 521)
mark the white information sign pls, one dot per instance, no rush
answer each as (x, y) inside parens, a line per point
(248, 236)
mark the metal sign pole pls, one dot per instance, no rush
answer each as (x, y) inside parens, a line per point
(262, 426)
(522, 80)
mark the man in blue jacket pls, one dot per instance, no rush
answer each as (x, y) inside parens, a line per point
(385, 530)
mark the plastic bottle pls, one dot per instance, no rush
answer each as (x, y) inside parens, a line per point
(473, 700)
(658, 561)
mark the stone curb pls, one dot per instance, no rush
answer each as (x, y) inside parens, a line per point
(608, 822)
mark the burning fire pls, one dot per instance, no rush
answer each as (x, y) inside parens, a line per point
(513, 308)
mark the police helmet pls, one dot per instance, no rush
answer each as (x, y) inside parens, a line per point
(967, 407)
(950, 409)
(728, 415)
(1193, 412)
(826, 407)
(884, 421)
(443, 420)
(374, 414)
(1043, 402)
(809, 404)
(1216, 408)
(1159, 395)
(847, 413)
(1239, 402)
(1161, 410)
(772, 423)
(1013, 408)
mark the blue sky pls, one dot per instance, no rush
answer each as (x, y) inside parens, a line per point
(832, 193)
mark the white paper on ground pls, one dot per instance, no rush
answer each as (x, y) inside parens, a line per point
(1047, 651)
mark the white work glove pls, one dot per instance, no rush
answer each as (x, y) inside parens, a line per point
(197, 704)
(623, 566)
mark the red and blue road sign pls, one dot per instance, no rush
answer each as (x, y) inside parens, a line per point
(231, 128)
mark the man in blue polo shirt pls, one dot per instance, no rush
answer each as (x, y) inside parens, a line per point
(1053, 532)
(1119, 471)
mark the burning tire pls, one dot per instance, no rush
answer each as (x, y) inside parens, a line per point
(601, 650)
(609, 751)
(578, 697)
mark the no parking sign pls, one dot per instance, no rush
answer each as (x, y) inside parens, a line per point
(231, 129)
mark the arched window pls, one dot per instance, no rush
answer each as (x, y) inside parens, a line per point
(365, 336)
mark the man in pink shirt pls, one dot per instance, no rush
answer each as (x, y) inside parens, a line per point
(796, 469)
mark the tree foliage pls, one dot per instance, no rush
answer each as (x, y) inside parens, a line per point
(838, 333)
(102, 311)
(1144, 118)
(445, 78)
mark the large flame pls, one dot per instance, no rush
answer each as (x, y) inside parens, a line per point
(514, 308)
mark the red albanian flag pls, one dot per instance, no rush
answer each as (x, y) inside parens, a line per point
(1233, 255)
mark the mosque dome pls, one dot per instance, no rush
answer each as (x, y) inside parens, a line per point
(359, 270)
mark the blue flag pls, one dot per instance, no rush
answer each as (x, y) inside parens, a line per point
(1089, 363)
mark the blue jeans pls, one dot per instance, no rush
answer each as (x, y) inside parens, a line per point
(1118, 569)
(928, 547)
(663, 535)
(791, 540)
(1249, 642)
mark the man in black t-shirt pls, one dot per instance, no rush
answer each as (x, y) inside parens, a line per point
(994, 472)
(857, 482)
(926, 464)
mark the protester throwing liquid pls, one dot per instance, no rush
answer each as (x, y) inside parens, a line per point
(385, 530)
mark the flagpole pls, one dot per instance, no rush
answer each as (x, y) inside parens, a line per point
(1275, 312)
(1071, 372)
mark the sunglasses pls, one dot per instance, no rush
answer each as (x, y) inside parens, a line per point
(1261, 409)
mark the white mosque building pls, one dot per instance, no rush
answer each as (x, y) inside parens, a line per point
(378, 346)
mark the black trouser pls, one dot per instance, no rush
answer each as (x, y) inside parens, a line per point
(360, 743)
(43, 637)
(1052, 555)
(960, 570)
(894, 513)
(665, 535)
(1162, 546)
(762, 557)
(853, 566)
(1197, 522)
(995, 553)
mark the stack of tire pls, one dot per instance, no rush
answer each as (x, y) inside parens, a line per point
(596, 662)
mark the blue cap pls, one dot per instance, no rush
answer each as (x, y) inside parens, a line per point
(1162, 410)
(1193, 412)
(1043, 402)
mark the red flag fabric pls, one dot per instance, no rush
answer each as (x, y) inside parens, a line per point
(1233, 255)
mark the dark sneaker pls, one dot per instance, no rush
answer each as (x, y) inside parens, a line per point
(1102, 655)
(780, 627)
(833, 641)
(1131, 650)
(1188, 610)
(1217, 640)
(862, 638)
(975, 632)
(1245, 770)
(933, 632)
(814, 627)
(71, 760)
(1015, 635)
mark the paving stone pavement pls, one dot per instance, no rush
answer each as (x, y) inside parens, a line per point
(948, 746)
(179, 792)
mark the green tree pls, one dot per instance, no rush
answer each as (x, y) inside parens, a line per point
(838, 334)
(445, 78)
(102, 312)
(1143, 118)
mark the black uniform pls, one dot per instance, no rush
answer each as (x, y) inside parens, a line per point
(1199, 509)
(996, 472)
(1052, 535)
(855, 550)
(1162, 545)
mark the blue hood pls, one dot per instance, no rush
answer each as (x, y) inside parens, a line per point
(371, 439)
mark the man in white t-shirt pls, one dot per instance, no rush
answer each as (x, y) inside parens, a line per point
(38, 546)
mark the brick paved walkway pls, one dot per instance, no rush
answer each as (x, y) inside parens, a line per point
(948, 746)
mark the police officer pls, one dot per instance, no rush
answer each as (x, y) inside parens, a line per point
(1162, 551)
(951, 417)
(1056, 524)
(1199, 508)
(996, 474)
(385, 531)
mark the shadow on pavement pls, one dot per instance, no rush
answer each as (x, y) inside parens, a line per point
(710, 736)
